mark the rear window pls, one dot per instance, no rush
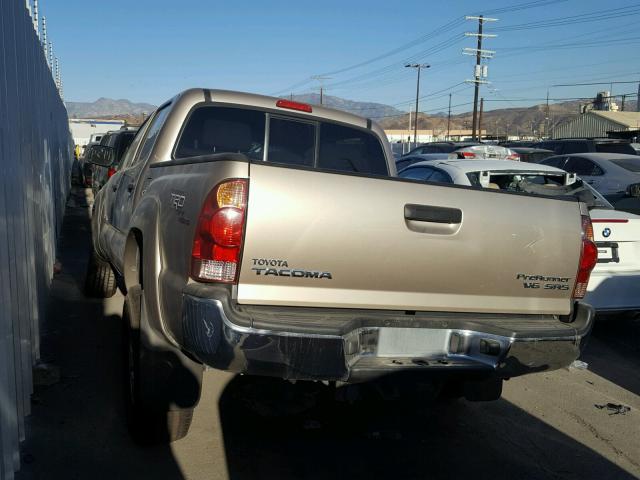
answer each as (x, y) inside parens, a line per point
(630, 164)
(615, 148)
(212, 130)
(349, 150)
(291, 141)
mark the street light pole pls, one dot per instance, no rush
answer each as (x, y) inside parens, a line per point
(418, 66)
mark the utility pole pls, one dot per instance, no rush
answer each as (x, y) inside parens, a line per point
(417, 66)
(321, 79)
(480, 120)
(624, 97)
(449, 120)
(480, 71)
(546, 118)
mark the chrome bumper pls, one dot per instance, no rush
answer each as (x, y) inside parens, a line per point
(370, 352)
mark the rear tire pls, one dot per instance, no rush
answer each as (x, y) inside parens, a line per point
(160, 393)
(100, 281)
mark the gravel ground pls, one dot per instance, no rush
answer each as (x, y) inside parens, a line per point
(546, 425)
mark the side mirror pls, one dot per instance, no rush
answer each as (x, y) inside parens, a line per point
(633, 190)
(101, 155)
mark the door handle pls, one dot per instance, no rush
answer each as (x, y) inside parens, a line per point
(432, 214)
(130, 187)
(590, 182)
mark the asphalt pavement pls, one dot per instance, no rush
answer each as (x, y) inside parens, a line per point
(571, 423)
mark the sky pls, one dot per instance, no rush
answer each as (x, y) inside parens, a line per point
(149, 50)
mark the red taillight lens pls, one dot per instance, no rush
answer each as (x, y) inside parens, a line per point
(217, 243)
(111, 172)
(467, 155)
(588, 258)
(514, 156)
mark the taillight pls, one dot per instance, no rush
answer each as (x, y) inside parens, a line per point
(467, 155)
(111, 172)
(217, 243)
(291, 105)
(588, 258)
(514, 156)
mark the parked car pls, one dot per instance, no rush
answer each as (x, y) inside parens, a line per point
(587, 145)
(615, 176)
(117, 143)
(532, 155)
(466, 150)
(518, 144)
(407, 160)
(86, 168)
(271, 237)
(440, 147)
(614, 281)
(95, 138)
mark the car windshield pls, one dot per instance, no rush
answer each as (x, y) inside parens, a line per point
(541, 183)
(630, 164)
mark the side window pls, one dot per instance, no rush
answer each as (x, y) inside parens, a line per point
(291, 142)
(440, 176)
(418, 173)
(151, 135)
(131, 151)
(582, 167)
(350, 150)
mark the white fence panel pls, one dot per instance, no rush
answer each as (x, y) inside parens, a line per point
(35, 165)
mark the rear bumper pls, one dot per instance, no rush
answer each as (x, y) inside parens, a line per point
(367, 352)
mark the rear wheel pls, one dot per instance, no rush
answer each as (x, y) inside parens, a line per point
(100, 281)
(161, 392)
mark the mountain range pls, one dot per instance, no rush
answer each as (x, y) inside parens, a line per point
(523, 120)
(104, 107)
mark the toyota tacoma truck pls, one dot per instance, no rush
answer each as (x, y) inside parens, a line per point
(269, 237)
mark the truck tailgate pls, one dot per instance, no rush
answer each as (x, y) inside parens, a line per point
(345, 241)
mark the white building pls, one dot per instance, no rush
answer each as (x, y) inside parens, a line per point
(82, 128)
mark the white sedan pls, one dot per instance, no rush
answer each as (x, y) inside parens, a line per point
(615, 280)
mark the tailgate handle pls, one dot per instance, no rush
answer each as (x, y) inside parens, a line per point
(433, 214)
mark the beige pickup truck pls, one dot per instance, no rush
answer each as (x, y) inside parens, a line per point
(268, 237)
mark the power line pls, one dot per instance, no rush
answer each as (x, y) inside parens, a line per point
(434, 33)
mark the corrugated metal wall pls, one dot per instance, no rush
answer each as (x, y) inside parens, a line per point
(35, 163)
(586, 125)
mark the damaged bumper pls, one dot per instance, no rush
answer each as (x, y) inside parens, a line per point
(385, 343)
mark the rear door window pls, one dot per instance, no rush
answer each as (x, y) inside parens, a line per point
(582, 166)
(350, 150)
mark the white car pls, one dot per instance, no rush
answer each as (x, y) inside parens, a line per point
(615, 280)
